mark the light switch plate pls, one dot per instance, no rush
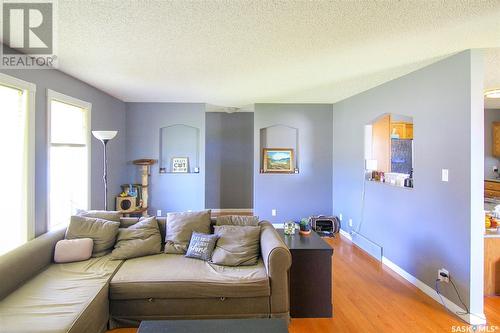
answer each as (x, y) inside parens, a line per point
(158, 212)
(444, 175)
(340, 216)
(273, 212)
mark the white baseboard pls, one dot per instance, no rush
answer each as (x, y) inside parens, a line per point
(345, 234)
(473, 319)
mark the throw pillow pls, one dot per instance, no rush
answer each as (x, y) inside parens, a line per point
(101, 214)
(237, 245)
(102, 232)
(237, 220)
(138, 240)
(70, 250)
(180, 226)
(201, 246)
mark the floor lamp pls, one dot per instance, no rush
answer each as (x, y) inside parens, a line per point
(104, 137)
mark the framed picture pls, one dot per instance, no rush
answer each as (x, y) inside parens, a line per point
(180, 164)
(278, 160)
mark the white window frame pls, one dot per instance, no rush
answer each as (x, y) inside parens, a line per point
(30, 88)
(57, 96)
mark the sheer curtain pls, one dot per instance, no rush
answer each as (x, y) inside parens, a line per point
(14, 167)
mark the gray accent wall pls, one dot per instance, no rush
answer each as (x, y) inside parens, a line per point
(310, 191)
(229, 160)
(436, 224)
(490, 116)
(168, 192)
(108, 113)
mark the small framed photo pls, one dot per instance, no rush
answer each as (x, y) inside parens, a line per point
(180, 164)
(278, 160)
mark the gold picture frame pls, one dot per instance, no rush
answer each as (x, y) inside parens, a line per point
(278, 160)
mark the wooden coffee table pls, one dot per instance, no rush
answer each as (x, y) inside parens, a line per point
(273, 325)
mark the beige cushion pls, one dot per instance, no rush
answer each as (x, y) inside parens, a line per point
(140, 239)
(102, 232)
(237, 220)
(57, 299)
(175, 276)
(70, 250)
(101, 214)
(237, 245)
(180, 226)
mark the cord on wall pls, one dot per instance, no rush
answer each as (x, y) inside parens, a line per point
(362, 216)
(458, 313)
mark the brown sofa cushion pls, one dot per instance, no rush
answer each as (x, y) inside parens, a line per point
(175, 276)
(102, 232)
(180, 226)
(237, 220)
(61, 298)
(140, 239)
(237, 245)
(109, 215)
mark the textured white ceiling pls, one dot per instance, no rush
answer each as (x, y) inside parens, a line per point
(236, 53)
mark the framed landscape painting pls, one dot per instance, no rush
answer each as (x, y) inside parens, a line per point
(278, 160)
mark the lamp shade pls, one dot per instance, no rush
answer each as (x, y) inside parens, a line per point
(104, 135)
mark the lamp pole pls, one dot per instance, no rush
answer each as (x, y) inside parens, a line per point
(105, 174)
(104, 137)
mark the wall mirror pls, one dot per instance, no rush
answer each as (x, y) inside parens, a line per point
(389, 150)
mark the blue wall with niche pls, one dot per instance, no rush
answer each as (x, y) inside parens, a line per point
(168, 192)
(308, 192)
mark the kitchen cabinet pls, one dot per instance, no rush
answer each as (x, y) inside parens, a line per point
(381, 143)
(496, 139)
(491, 266)
(402, 129)
(491, 189)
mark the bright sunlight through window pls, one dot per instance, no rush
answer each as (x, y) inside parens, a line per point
(14, 166)
(68, 159)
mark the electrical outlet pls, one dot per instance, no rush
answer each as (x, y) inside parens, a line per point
(444, 175)
(158, 212)
(340, 217)
(273, 212)
(443, 275)
(350, 223)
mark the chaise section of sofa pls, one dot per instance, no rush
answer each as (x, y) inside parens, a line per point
(39, 296)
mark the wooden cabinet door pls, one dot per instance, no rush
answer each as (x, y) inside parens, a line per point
(496, 139)
(409, 131)
(381, 143)
(402, 129)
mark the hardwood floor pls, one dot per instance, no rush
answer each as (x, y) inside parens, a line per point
(370, 297)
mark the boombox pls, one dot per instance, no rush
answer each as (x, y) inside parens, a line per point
(126, 204)
(325, 225)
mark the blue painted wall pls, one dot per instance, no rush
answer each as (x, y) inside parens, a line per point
(437, 223)
(168, 192)
(108, 113)
(229, 160)
(309, 192)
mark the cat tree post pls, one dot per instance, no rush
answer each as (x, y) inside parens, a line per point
(145, 166)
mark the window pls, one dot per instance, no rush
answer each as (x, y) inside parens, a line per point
(17, 165)
(69, 157)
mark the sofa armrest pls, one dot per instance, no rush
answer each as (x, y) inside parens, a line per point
(24, 262)
(277, 259)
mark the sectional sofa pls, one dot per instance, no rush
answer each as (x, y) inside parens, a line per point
(37, 295)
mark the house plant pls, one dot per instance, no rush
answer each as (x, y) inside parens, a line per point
(305, 226)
